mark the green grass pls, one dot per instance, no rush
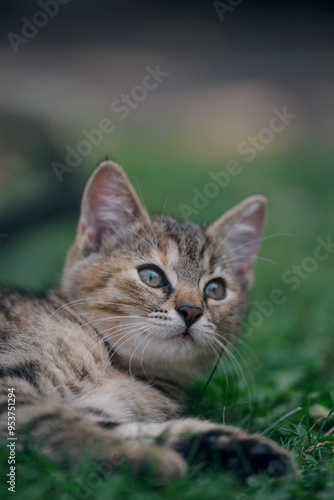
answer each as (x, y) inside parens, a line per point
(284, 385)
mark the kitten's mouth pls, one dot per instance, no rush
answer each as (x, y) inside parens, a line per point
(186, 333)
(182, 338)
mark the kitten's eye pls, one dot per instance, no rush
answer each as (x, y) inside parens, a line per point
(215, 289)
(152, 277)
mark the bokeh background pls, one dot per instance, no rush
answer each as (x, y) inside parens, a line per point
(225, 78)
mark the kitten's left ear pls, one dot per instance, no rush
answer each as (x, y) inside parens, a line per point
(109, 204)
(239, 230)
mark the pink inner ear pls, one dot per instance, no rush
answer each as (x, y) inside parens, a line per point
(243, 237)
(108, 206)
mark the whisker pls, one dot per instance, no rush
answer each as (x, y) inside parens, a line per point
(95, 322)
(142, 356)
(130, 362)
(88, 300)
(256, 257)
(124, 335)
(263, 238)
(64, 306)
(234, 361)
(98, 334)
(251, 352)
(129, 333)
(101, 340)
(241, 358)
(219, 354)
(221, 363)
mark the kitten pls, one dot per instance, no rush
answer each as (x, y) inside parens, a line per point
(144, 304)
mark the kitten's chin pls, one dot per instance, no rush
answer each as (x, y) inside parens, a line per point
(177, 355)
(177, 358)
(180, 339)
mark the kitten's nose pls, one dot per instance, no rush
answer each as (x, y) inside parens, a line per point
(190, 314)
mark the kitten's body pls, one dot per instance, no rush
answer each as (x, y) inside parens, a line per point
(101, 361)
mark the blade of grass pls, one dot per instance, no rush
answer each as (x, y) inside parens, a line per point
(209, 379)
(280, 421)
(322, 426)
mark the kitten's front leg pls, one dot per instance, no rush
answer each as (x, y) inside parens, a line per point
(208, 443)
(67, 435)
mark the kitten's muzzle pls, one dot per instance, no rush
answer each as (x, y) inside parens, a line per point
(189, 313)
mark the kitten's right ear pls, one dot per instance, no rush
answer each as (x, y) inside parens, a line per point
(240, 231)
(108, 206)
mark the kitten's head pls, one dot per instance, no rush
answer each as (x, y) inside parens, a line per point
(167, 296)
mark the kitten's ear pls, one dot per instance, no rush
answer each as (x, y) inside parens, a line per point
(239, 230)
(109, 205)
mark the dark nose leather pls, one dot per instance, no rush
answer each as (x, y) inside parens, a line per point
(190, 314)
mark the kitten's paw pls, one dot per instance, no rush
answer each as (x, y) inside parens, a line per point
(243, 454)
